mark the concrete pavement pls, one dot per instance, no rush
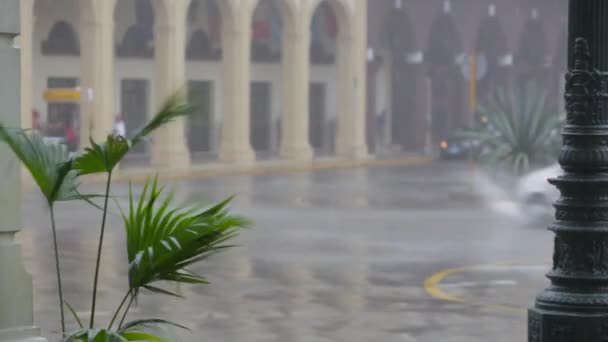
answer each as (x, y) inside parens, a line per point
(336, 255)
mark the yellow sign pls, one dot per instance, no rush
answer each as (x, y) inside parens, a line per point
(62, 95)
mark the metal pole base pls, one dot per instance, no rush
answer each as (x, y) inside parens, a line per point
(560, 326)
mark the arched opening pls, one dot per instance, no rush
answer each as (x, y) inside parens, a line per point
(266, 77)
(203, 67)
(531, 59)
(204, 31)
(324, 76)
(56, 66)
(135, 29)
(62, 40)
(401, 47)
(444, 56)
(491, 49)
(134, 66)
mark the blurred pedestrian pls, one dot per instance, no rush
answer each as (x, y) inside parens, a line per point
(36, 124)
(70, 137)
(120, 127)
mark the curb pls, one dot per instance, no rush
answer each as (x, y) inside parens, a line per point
(218, 170)
(256, 169)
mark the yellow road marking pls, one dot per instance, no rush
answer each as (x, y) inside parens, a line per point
(432, 288)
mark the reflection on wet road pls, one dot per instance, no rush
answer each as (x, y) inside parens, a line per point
(335, 256)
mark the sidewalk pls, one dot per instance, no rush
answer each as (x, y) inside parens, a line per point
(216, 169)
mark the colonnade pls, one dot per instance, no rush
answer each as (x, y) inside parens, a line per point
(170, 149)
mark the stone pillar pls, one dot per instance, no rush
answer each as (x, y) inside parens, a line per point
(16, 310)
(235, 146)
(97, 69)
(295, 142)
(575, 306)
(169, 146)
(26, 45)
(352, 63)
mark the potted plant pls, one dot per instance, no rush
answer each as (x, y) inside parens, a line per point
(162, 238)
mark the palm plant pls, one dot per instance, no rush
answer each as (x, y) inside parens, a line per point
(103, 158)
(162, 239)
(52, 170)
(521, 133)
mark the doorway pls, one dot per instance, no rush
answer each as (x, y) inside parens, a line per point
(134, 106)
(200, 123)
(261, 118)
(62, 114)
(317, 132)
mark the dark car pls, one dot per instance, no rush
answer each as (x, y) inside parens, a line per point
(458, 148)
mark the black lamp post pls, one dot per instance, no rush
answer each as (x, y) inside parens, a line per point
(575, 307)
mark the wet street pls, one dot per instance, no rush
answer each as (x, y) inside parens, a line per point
(384, 254)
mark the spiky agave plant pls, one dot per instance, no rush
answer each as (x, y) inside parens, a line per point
(521, 133)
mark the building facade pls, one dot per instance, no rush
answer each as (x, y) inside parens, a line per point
(419, 70)
(283, 79)
(280, 79)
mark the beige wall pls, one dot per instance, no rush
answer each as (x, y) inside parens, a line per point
(344, 81)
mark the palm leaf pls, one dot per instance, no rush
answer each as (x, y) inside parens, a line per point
(96, 335)
(140, 324)
(137, 330)
(99, 158)
(104, 157)
(141, 336)
(163, 240)
(174, 107)
(49, 164)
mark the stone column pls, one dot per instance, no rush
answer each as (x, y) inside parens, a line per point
(352, 62)
(97, 69)
(16, 309)
(295, 142)
(575, 306)
(26, 45)
(235, 146)
(169, 147)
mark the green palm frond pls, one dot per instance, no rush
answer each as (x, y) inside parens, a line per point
(138, 330)
(163, 240)
(104, 157)
(174, 107)
(99, 158)
(103, 335)
(143, 324)
(49, 164)
(521, 134)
